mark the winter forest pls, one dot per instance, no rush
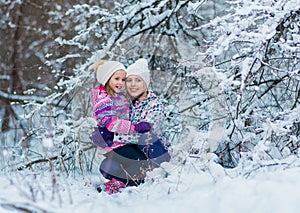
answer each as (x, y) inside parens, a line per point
(228, 73)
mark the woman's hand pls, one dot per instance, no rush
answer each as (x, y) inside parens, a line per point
(142, 127)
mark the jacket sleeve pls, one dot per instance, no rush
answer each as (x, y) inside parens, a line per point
(156, 117)
(153, 113)
(105, 117)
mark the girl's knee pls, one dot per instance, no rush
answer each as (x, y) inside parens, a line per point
(108, 167)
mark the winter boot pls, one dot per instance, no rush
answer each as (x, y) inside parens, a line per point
(114, 186)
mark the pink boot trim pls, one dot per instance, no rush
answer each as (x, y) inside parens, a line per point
(114, 186)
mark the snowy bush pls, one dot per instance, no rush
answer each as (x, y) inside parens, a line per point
(255, 52)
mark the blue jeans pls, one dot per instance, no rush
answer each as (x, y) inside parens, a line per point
(155, 152)
(127, 164)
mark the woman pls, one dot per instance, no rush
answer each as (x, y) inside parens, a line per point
(143, 151)
(146, 106)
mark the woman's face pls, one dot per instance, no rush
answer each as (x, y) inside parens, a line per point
(135, 86)
(117, 80)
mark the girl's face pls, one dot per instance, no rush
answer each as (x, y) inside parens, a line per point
(136, 87)
(117, 81)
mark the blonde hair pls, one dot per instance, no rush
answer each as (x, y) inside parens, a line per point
(109, 90)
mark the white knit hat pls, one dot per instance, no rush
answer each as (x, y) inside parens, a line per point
(140, 68)
(106, 69)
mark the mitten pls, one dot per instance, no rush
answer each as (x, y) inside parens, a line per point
(107, 136)
(142, 127)
(101, 137)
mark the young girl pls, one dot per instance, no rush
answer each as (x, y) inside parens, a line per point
(110, 106)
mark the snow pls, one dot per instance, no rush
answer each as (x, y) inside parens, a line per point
(185, 189)
(194, 184)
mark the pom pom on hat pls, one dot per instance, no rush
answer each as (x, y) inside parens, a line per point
(140, 68)
(105, 69)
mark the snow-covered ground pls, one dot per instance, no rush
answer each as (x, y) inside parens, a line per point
(186, 189)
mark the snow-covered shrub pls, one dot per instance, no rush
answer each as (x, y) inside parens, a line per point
(256, 47)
